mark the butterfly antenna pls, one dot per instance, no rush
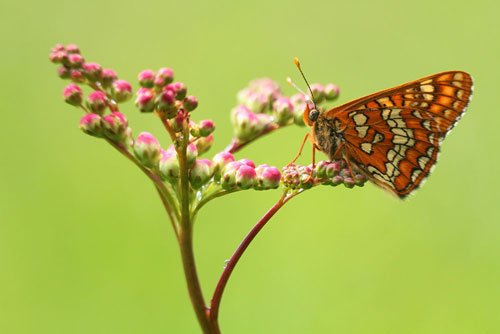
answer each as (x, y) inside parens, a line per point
(296, 61)
(291, 83)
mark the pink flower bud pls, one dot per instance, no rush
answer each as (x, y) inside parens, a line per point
(166, 74)
(220, 160)
(246, 124)
(59, 57)
(73, 95)
(282, 110)
(191, 154)
(166, 102)
(77, 76)
(321, 169)
(72, 48)
(332, 169)
(246, 177)
(200, 173)
(75, 60)
(97, 101)
(349, 182)
(177, 122)
(318, 92)
(206, 127)
(146, 78)
(92, 71)
(107, 77)
(298, 100)
(228, 174)
(91, 125)
(257, 102)
(247, 162)
(121, 90)
(63, 72)
(338, 179)
(178, 88)
(270, 178)
(169, 166)
(145, 99)
(331, 91)
(115, 126)
(203, 144)
(147, 149)
(190, 103)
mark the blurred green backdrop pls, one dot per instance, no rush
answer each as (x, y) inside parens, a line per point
(85, 246)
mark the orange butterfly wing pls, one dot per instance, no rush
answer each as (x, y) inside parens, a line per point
(393, 136)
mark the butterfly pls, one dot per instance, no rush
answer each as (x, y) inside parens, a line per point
(392, 137)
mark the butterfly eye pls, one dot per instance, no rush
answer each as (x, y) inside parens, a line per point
(313, 115)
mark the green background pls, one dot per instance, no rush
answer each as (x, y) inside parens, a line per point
(85, 246)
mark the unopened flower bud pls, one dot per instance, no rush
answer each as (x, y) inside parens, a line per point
(107, 77)
(349, 182)
(91, 125)
(200, 172)
(179, 90)
(166, 102)
(190, 103)
(246, 124)
(228, 175)
(145, 99)
(318, 92)
(177, 122)
(203, 144)
(338, 179)
(191, 154)
(73, 95)
(92, 71)
(257, 102)
(282, 110)
(77, 76)
(206, 127)
(147, 149)
(220, 160)
(268, 177)
(332, 169)
(97, 102)
(246, 177)
(360, 180)
(169, 166)
(146, 78)
(331, 91)
(75, 60)
(121, 90)
(63, 72)
(59, 57)
(72, 48)
(115, 126)
(321, 169)
(247, 162)
(166, 74)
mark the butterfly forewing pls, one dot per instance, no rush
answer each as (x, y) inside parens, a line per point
(393, 136)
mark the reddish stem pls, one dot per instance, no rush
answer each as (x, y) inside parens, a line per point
(219, 289)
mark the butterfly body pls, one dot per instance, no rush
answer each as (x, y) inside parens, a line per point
(393, 136)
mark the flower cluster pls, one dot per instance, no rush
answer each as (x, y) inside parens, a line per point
(263, 108)
(159, 94)
(297, 177)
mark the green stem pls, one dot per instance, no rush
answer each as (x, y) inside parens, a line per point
(186, 239)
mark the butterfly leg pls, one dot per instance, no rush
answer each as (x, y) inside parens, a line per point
(300, 150)
(338, 154)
